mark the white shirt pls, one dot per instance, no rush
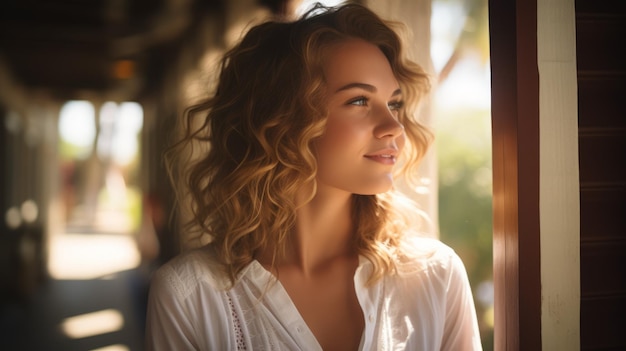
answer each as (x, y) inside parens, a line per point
(190, 308)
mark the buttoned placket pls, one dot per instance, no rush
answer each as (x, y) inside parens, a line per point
(284, 309)
(368, 298)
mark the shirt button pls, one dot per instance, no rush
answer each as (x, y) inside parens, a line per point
(371, 318)
(299, 330)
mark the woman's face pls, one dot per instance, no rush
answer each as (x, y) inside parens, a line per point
(363, 136)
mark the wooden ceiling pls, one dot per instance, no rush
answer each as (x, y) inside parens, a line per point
(120, 47)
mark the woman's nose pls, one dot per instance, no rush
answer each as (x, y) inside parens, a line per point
(388, 124)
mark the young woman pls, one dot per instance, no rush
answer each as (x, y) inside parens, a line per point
(311, 248)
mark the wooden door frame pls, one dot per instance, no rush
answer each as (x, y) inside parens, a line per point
(515, 133)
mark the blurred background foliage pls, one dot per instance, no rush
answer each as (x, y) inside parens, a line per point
(462, 119)
(465, 203)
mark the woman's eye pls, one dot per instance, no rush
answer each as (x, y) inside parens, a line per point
(360, 101)
(395, 105)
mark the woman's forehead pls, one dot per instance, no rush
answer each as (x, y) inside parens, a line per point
(358, 61)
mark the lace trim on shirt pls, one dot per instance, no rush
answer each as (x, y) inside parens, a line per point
(241, 343)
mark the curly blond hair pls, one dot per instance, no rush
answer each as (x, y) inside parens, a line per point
(256, 133)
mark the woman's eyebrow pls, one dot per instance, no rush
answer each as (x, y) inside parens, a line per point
(366, 87)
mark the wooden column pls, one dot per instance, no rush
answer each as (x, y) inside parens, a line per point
(515, 123)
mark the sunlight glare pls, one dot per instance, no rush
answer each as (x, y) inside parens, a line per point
(306, 5)
(29, 211)
(120, 125)
(77, 123)
(129, 124)
(116, 347)
(91, 256)
(94, 323)
(13, 218)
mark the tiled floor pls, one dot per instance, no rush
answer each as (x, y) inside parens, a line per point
(37, 324)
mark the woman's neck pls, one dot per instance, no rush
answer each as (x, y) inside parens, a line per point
(324, 232)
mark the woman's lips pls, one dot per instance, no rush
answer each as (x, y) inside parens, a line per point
(386, 159)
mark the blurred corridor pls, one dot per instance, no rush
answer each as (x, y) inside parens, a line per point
(88, 97)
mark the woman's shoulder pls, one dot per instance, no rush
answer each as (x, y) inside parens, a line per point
(185, 272)
(429, 254)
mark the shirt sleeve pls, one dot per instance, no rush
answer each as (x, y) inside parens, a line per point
(168, 322)
(461, 326)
